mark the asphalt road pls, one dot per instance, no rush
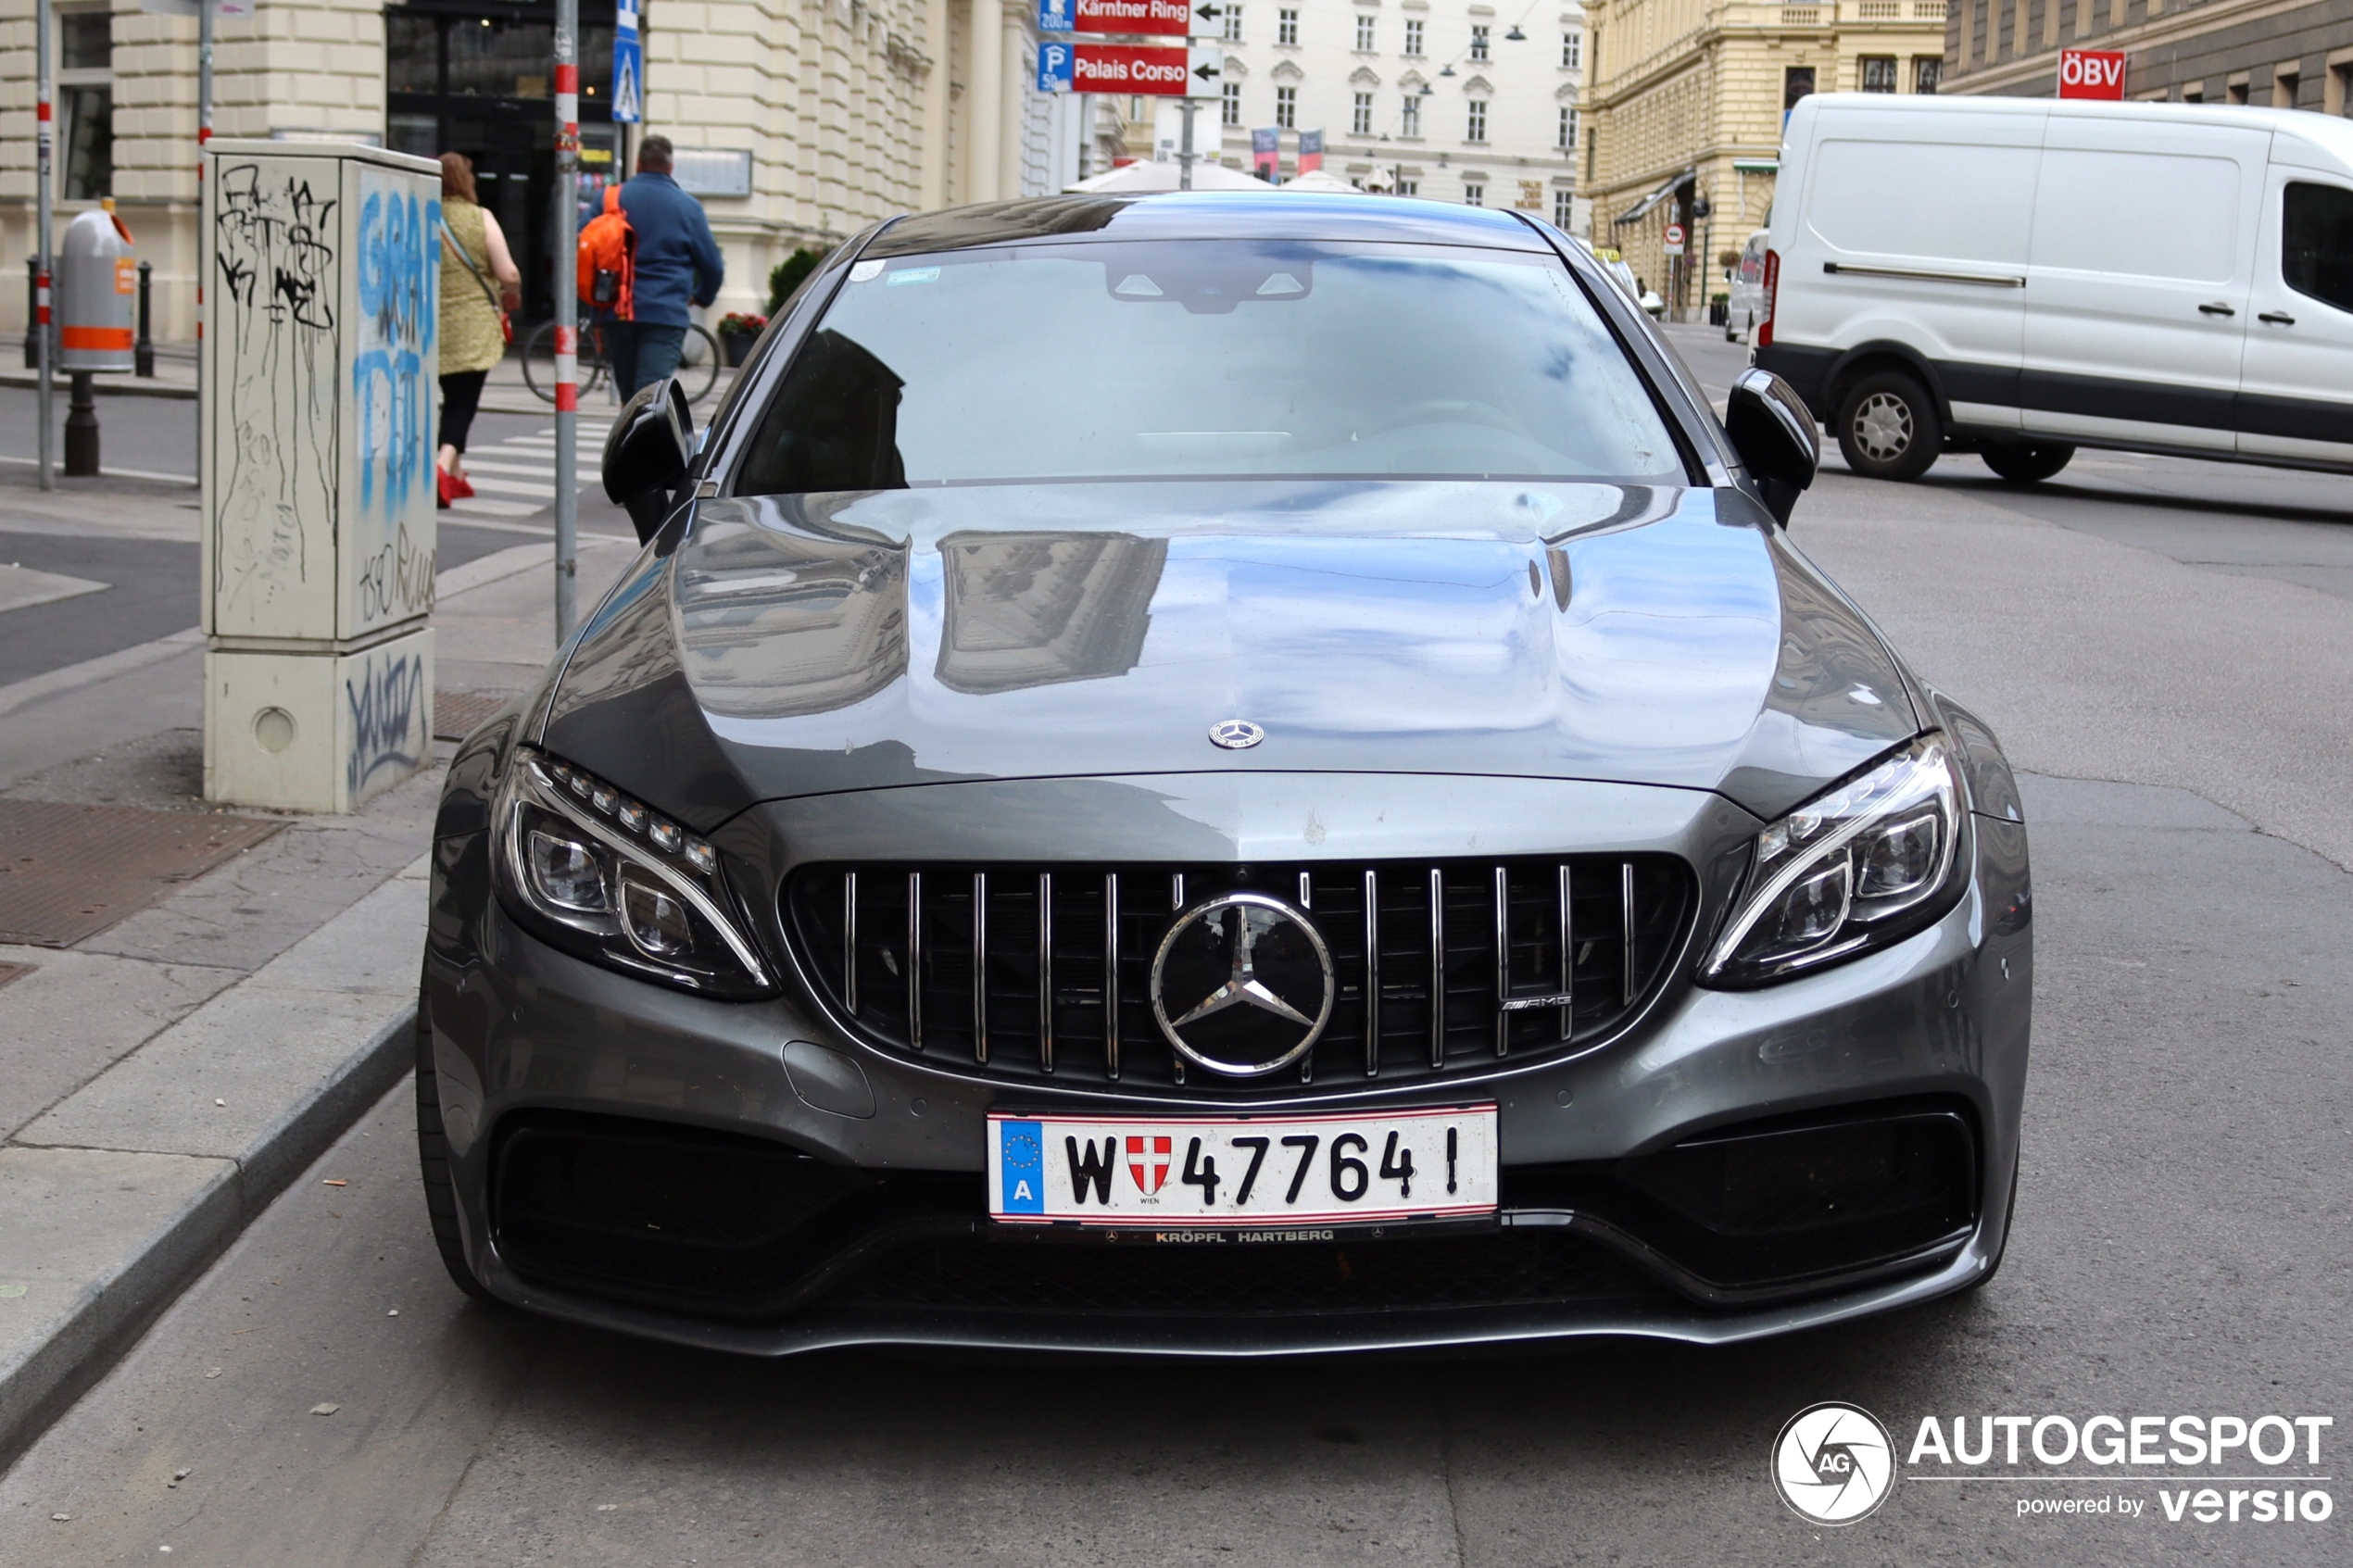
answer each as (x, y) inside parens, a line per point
(140, 539)
(2167, 646)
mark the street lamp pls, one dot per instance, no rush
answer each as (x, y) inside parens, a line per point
(1515, 35)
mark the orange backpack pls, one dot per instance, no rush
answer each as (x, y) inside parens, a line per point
(608, 260)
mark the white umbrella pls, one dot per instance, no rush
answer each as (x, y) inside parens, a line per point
(1316, 179)
(1140, 178)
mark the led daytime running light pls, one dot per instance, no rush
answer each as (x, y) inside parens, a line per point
(1916, 788)
(652, 851)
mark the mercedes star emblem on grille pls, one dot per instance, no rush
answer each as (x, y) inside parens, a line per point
(1249, 981)
(1236, 734)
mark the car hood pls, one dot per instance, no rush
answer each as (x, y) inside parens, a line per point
(795, 645)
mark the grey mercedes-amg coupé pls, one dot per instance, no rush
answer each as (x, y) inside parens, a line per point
(1222, 773)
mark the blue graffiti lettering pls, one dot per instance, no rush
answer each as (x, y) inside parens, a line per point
(401, 269)
(393, 403)
(386, 702)
(399, 308)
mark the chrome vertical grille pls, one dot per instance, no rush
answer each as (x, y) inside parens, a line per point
(1027, 972)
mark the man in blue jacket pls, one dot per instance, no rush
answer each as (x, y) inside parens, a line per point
(677, 263)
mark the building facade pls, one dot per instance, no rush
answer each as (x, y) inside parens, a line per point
(2260, 52)
(798, 121)
(1438, 98)
(1686, 103)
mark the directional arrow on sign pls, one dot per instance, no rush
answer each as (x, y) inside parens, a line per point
(1206, 60)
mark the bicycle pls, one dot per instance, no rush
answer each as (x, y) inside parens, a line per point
(699, 361)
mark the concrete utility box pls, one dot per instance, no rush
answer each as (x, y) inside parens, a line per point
(321, 371)
(98, 294)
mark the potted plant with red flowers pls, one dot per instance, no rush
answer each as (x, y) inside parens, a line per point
(738, 330)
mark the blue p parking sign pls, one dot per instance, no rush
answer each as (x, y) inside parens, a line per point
(1053, 68)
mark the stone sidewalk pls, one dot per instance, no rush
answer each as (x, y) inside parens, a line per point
(161, 1080)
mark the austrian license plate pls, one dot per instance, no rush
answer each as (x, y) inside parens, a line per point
(1243, 1171)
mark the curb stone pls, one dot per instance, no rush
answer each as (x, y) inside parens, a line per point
(115, 1200)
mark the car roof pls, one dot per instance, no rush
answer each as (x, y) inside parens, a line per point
(1206, 214)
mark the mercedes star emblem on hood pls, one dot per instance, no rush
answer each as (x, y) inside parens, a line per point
(1236, 734)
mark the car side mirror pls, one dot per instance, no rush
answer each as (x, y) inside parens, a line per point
(1774, 433)
(646, 452)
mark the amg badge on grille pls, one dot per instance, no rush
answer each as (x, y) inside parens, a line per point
(1236, 734)
(1242, 984)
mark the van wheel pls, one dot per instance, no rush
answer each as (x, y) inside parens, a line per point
(2023, 463)
(1888, 427)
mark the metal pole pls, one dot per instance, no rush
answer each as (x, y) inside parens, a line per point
(565, 243)
(204, 134)
(1185, 148)
(45, 399)
(142, 353)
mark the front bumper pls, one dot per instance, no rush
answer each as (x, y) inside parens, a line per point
(519, 1030)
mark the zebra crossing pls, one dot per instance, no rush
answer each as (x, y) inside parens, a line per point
(514, 478)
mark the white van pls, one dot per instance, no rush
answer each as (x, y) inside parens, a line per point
(2019, 277)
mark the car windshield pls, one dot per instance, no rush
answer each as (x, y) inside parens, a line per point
(1207, 359)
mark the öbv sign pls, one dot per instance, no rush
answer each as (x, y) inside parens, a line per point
(2092, 73)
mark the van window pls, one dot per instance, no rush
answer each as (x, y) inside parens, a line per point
(2139, 214)
(1922, 199)
(2316, 243)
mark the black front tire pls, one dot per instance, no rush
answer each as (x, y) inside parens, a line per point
(2027, 463)
(1888, 427)
(432, 1160)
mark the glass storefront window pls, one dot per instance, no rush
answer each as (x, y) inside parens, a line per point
(494, 59)
(412, 53)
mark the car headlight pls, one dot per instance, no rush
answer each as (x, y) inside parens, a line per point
(1865, 864)
(608, 878)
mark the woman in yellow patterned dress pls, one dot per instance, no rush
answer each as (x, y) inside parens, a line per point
(475, 260)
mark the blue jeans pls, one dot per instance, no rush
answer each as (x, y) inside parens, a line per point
(641, 353)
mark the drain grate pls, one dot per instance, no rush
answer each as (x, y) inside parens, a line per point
(456, 715)
(68, 872)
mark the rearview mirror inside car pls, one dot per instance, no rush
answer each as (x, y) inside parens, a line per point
(646, 452)
(1774, 433)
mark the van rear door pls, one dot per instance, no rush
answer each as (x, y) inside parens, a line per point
(2136, 294)
(2296, 392)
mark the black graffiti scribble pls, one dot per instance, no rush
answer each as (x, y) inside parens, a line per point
(277, 334)
(395, 577)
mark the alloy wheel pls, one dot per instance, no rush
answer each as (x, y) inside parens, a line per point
(1883, 427)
